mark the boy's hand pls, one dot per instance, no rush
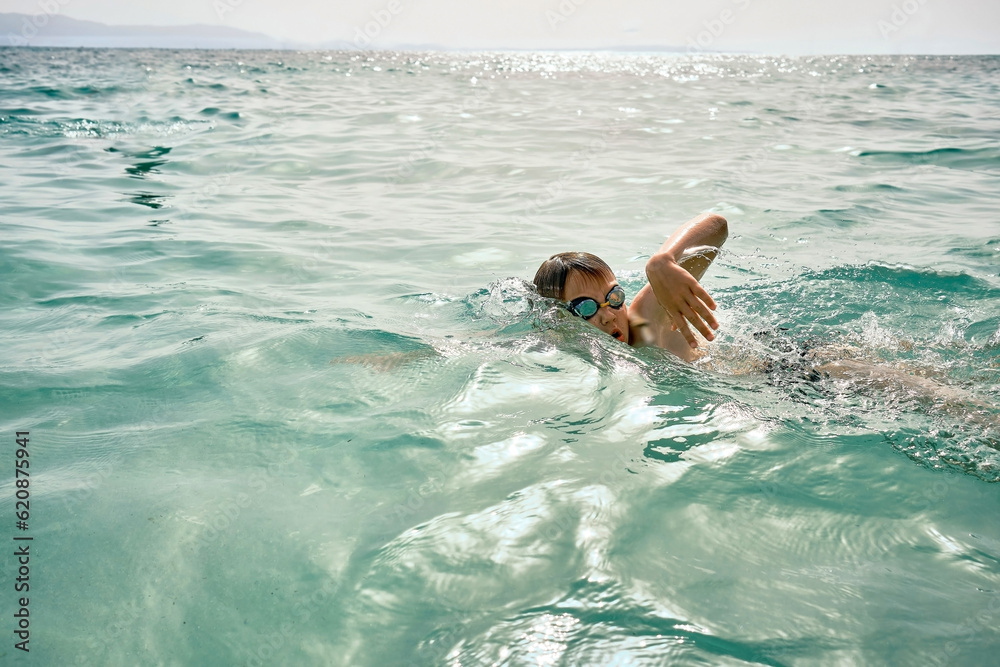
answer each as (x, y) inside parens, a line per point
(682, 297)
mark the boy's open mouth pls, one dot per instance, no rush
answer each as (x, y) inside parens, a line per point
(618, 334)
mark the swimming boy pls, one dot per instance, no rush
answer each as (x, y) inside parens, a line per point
(664, 310)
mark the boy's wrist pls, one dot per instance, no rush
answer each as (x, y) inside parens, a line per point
(660, 260)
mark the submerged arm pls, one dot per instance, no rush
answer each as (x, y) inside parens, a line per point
(673, 273)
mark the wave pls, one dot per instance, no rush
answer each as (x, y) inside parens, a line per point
(65, 92)
(908, 277)
(969, 159)
(74, 128)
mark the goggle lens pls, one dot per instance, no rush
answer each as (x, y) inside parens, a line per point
(586, 307)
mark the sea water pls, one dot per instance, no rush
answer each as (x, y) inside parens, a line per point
(290, 402)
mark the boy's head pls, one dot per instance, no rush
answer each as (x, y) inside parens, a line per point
(575, 277)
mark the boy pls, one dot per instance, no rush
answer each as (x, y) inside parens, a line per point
(661, 312)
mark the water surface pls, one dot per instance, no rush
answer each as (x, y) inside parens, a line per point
(290, 402)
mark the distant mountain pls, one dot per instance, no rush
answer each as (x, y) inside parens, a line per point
(58, 30)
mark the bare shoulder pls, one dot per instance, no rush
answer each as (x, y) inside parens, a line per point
(642, 302)
(647, 312)
(650, 326)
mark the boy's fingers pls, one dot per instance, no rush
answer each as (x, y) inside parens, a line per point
(698, 323)
(688, 336)
(706, 314)
(705, 296)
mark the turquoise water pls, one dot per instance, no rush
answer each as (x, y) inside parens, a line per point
(290, 403)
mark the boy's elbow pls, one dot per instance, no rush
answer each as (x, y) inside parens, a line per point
(720, 228)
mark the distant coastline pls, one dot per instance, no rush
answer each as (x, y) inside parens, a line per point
(56, 30)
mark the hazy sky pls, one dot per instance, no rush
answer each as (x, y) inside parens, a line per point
(776, 26)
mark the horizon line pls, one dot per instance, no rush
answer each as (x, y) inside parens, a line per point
(410, 48)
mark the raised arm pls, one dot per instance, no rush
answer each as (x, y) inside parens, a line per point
(673, 273)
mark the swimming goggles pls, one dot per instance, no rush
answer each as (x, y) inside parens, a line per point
(586, 307)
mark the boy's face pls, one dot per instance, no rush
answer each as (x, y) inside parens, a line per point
(607, 319)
